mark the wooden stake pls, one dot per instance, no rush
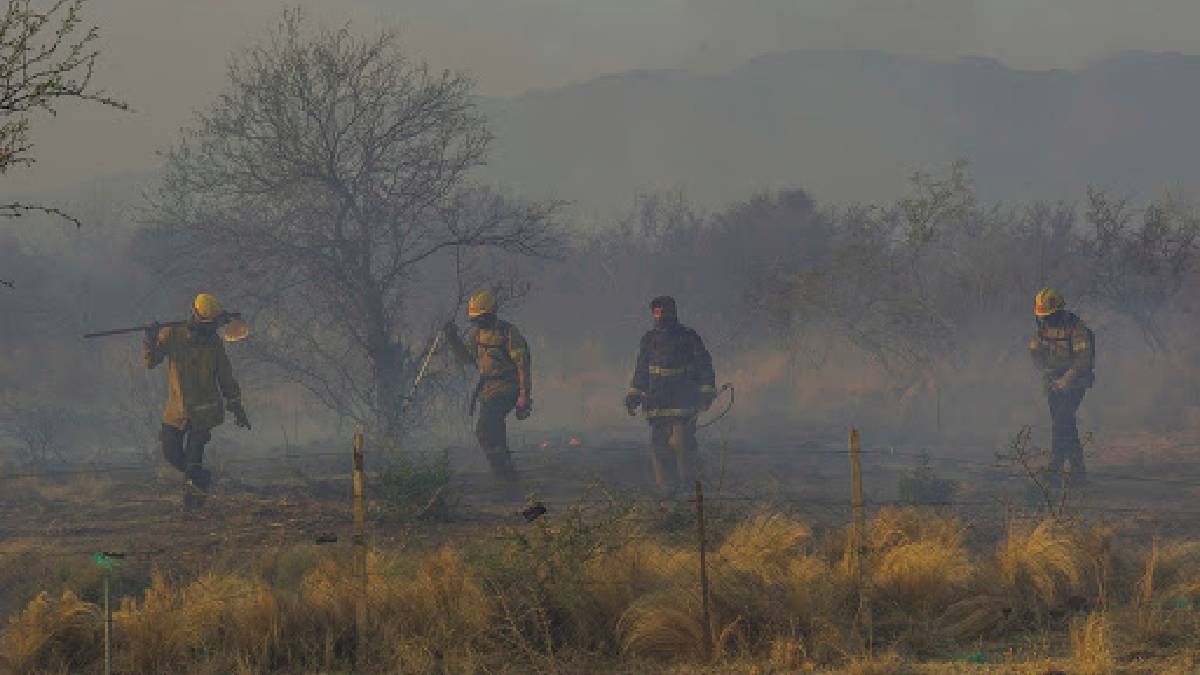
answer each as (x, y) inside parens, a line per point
(360, 558)
(858, 534)
(708, 646)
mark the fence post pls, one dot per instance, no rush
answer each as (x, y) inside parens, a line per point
(858, 537)
(708, 646)
(106, 560)
(108, 632)
(360, 558)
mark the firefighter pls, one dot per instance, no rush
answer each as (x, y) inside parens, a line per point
(499, 351)
(1064, 350)
(672, 382)
(200, 379)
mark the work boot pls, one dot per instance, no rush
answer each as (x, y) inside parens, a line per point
(193, 497)
(202, 479)
(505, 474)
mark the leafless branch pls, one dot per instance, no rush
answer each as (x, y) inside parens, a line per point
(322, 188)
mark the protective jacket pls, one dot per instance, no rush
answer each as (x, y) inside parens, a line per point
(200, 376)
(502, 356)
(674, 373)
(1064, 350)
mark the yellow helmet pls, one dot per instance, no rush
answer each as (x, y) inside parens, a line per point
(207, 307)
(1047, 302)
(481, 303)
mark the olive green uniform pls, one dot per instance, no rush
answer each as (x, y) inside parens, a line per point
(501, 355)
(200, 378)
(1064, 350)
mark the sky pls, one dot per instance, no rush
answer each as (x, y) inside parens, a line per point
(167, 58)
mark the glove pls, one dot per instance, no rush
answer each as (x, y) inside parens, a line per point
(632, 402)
(524, 406)
(239, 414)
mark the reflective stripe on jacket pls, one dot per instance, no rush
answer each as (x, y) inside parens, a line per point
(674, 372)
(1065, 351)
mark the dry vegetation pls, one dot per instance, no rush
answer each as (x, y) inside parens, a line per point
(575, 594)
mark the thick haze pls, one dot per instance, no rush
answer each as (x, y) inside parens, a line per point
(167, 57)
(830, 102)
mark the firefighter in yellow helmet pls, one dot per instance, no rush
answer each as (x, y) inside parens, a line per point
(501, 354)
(1064, 350)
(200, 380)
(673, 380)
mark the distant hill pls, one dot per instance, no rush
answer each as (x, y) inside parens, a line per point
(854, 125)
(848, 125)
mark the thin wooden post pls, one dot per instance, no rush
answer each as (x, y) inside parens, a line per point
(708, 646)
(360, 558)
(859, 535)
(108, 625)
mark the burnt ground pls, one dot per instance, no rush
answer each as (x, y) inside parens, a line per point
(51, 523)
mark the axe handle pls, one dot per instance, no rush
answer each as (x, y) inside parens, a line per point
(138, 329)
(135, 329)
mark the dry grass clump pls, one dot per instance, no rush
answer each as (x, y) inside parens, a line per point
(1091, 646)
(765, 545)
(766, 584)
(173, 626)
(50, 634)
(1045, 565)
(665, 626)
(442, 615)
(917, 566)
(614, 580)
(895, 527)
(769, 597)
(433, 614)
(1035, 571)
(1172, 575)
(569, 596)
(921, 579)
(1166, 594)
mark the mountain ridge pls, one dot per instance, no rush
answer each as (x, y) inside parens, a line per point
(853, 125)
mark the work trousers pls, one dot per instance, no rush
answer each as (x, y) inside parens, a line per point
(184, 450)
(491, 430)
(1065, 445)
(674, 452)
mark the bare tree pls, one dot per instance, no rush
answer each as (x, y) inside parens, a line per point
(1139, 266)
(40, 430)
(45, 56)
(322, 189)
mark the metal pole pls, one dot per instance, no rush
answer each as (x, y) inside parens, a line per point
(859, 533)
(360, 558)
(107, 626)
(708, 647)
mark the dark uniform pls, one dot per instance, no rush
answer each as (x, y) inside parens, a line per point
(502, 356)
(200, 381)
(1064, 350)
(672, 381)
